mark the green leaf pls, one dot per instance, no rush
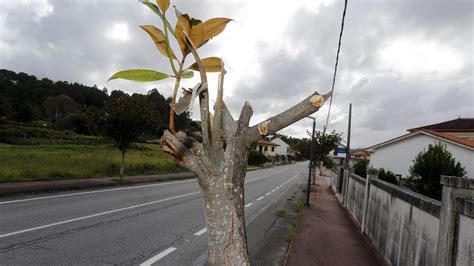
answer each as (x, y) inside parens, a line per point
(157, 11)
(141, 75)
(187, 74)
(153, 7)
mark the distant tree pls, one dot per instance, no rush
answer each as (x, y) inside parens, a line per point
(87, 121)
(360, 168)
(427, 168)
(128, 117)
(324, 143)
(58, 107)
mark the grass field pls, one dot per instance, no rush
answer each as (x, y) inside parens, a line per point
(54, 162)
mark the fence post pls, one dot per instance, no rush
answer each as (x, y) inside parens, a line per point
(345, 187)
(366, 203)
(454, 188)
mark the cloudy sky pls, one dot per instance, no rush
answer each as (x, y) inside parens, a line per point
(403, 63)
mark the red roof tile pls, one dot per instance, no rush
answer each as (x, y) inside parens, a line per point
(456, 125)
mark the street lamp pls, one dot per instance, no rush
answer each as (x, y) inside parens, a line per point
(310, 161)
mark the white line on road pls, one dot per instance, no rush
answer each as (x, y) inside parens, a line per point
(93, 192)
(248, 205)
(268, 193)
(112, 211)
(95, 215)
(158, 257)
(200, 232)
(126, 188)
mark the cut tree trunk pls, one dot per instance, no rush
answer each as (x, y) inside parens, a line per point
(122, 167)
(224, 213)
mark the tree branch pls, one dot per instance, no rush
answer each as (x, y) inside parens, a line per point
(286, 118)
(203, 97)
(244, 118)
(228, 123)
(217, 131)
(186, 151)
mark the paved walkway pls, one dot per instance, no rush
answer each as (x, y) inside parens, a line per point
(326, 235)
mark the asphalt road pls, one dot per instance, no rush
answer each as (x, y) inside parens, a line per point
(157, 223)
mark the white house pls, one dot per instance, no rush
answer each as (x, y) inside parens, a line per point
(265, 147)
(397, 154)
(283, 148)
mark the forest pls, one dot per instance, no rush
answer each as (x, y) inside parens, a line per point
(40, 108)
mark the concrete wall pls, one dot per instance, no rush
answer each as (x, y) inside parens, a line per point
(465, 236)
(355, 197)
(402, 225)
(408, 228)
(398, 156)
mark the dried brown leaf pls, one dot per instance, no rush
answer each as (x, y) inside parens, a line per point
(163, 4)
(214, 26)
(159, 39)
(211, 64)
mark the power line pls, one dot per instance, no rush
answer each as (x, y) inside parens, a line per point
(335, 66)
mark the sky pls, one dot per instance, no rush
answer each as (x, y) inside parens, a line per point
(403, 63)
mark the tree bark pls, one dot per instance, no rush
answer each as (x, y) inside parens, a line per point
(220, 163)
(122, 167)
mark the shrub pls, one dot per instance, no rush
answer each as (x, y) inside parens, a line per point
(388, 176)
(256, 158)
(360, 168)
(428, 167)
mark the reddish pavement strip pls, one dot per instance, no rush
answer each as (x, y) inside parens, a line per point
(326, 234)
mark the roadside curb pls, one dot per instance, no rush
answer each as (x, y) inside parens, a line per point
(10, 189)
(273, 249)
(18, 188)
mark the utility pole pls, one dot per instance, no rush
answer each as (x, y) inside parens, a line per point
(308, 187)
(348, 148)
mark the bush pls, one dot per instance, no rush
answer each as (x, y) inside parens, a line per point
(428, 167)
(360, 168)
(256, 158)
(387, 176)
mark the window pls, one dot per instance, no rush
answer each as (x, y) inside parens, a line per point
(266, 148)
(273, 149)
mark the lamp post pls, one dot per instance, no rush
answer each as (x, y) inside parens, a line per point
(310, 161)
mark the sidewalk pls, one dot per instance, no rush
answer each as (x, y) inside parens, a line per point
(326, 235)
(40, 186)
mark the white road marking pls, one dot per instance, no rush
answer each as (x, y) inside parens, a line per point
(273, 190)
(95, 215)
(116, 210)
(268, 193)
(125, 188)
(95, 191)
(158, 257)
(200, 232)
(248, 204)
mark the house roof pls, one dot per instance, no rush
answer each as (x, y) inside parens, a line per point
(456, 125)
(439, 135)
(266, 142)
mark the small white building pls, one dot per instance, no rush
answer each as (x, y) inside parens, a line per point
(397, 154)
(266, 147)
(283, 148)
